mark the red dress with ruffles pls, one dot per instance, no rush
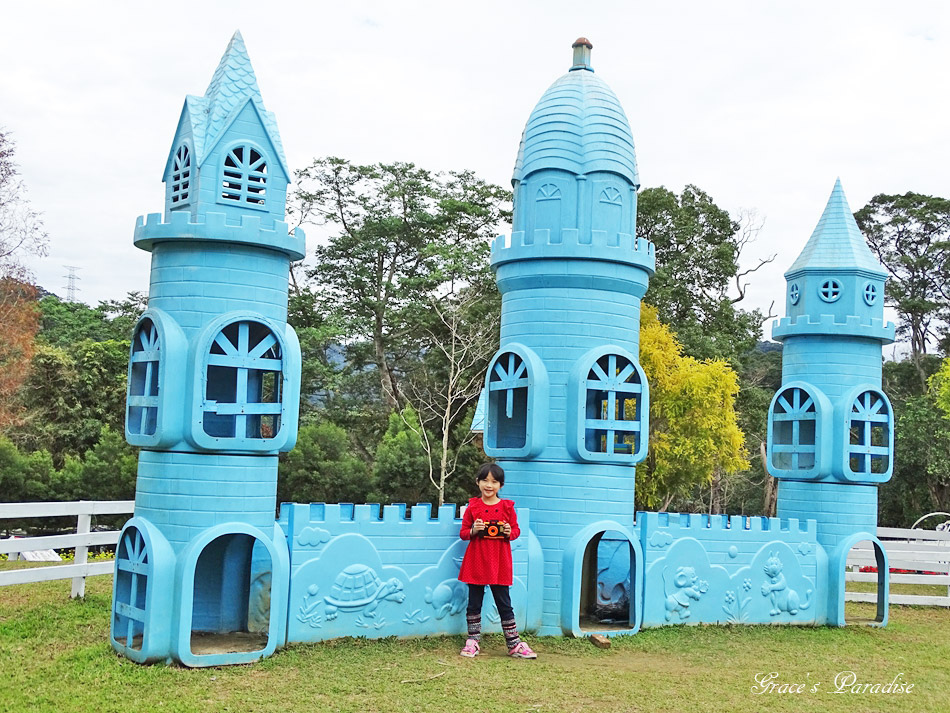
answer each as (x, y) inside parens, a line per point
(488, 561)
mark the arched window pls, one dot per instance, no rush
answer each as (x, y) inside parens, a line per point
(793, 432)
(508, 401)
(608, 211)
(609, 407)
(548, 208)
(142, 398)
(243, 383)
(870, 294)
(244, 178)
(614, 400)
(131, 590)
(181, 176)
(870, 440)
(515, 423)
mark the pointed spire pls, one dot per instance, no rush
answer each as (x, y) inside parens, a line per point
(232, 83)
(837, 243)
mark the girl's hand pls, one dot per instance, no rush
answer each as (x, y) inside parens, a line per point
(506, 528)
(478, 526)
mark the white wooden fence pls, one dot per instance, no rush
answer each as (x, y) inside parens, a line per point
(81, 540)
(916, 550)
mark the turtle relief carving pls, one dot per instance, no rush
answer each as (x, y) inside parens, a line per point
(357, 588)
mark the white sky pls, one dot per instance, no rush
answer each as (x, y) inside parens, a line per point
(761, 104)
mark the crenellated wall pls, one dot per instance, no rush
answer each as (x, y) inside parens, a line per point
(366, 570)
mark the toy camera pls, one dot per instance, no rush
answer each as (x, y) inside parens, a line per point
(494, 530)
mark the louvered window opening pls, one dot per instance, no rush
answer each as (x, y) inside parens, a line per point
(245, 176)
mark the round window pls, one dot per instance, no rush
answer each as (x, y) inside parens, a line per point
(830, 290)
(794, 293)
(870, 294)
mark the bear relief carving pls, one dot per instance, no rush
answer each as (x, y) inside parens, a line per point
(686, 587)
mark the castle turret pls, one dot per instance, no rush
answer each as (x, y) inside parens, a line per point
(831, 436)
(567, 402)
(213, 390)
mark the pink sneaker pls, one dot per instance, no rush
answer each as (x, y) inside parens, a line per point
(470, 650)
(522, 651)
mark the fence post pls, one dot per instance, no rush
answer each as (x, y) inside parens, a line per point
(83, 523)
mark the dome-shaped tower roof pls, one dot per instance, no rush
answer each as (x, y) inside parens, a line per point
(578, 126)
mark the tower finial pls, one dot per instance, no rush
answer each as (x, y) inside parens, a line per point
(582, 48)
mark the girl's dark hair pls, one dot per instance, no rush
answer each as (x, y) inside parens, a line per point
(493, 469)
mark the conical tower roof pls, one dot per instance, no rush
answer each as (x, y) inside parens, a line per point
(578, 125)
(232, 86)
(836, 242)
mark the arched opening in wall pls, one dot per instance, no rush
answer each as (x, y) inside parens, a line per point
(606, 597)
(232, 596)
(131, 589)
(866, 580)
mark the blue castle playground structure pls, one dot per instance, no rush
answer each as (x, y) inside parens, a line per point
(206, 576)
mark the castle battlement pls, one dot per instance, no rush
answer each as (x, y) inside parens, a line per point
(650, 521)
(571, 243)
(827, 324)
(218, 227)
(333, 513)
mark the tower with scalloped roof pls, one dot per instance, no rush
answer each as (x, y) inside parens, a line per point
(202, 569)
(831, 427)
(567, 403)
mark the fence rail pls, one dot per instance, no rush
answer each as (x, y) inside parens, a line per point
(924, 553)
(80, 541)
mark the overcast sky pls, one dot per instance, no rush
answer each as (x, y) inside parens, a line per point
(760, 104)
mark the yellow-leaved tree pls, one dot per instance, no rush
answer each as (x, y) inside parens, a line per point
(694, 431)
(940, 383)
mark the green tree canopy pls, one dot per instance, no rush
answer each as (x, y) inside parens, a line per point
(698, 246)
(910, 234)
(403, 237)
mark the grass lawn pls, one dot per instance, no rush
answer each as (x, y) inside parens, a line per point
(55, 656)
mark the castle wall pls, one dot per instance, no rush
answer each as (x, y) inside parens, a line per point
(719, 569)
(366, 570)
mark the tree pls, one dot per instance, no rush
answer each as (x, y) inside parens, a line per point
(445, 383)
(910, 234)
(21, 234)
(402, 463)
(63, 324)
(21, 228)
(941, 386)
(20, 319)
(698, 248)
(321, 468)
(404, 234)
(921, 479)
(694, 434)
(70, 395)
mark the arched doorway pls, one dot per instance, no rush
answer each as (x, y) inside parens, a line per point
(231, 602)
(607, 601)
(866, 579)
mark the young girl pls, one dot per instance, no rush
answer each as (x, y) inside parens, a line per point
(490, 524)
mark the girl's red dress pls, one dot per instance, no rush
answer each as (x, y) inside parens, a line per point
(488, 561)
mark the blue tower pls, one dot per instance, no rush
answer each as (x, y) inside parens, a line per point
(567, 402)
(831, 435)
(202, 570)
